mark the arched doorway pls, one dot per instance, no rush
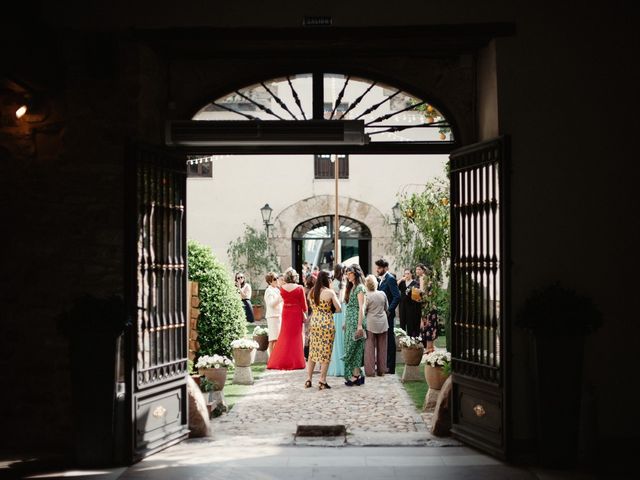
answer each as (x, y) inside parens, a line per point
(194, 138)
(313, 242)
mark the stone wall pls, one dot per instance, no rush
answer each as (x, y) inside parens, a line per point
(194, 313)
(63, 198)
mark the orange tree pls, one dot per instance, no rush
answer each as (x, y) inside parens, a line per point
(423, 237)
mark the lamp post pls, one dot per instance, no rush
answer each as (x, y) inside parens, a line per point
(395, 211)
(266, 216)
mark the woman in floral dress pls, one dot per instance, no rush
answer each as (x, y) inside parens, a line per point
(323, 301)
(354, 337)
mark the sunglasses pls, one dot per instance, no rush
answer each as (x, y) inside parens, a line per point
(238, 278)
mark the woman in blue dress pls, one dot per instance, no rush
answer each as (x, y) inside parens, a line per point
(336, 366)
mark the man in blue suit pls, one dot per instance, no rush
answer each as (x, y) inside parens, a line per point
(389, 286)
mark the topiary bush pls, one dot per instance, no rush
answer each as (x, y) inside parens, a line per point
(222, 316)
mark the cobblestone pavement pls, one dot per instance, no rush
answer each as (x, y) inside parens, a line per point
(379, 412)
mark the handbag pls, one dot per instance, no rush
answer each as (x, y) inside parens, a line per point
(362, 337)
(416, 294)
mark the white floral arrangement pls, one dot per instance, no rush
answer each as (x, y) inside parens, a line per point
(244, 343)
(260, 330)
(438, 358)
(410, 342)
(398, 332)
(213, 361)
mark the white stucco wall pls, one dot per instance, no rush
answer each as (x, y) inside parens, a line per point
(218, 207)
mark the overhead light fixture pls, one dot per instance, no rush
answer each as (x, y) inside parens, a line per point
(265, 132)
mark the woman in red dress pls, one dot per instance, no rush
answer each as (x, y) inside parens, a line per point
(288, 351)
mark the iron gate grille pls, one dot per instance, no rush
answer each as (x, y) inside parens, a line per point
(478, 283)
(161, 270)
(156, 388)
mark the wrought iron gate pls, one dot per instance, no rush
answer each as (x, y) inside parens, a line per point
(157, 296)
(479, 261)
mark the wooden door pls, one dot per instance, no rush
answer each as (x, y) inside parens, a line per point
(157, 301)
(479, 302)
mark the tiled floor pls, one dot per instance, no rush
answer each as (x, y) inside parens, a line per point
(198, 460)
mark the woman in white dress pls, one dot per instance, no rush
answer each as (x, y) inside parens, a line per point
(273, 302)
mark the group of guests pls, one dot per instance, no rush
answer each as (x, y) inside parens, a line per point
(342, 320)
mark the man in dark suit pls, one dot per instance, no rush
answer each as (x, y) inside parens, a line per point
(389, 286)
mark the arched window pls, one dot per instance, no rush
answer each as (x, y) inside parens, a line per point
(390, 114)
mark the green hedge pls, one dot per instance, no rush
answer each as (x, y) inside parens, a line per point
(222, 317)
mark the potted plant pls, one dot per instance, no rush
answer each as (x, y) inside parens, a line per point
(214, 368)
(437, 368)
(193, 372)
(261, 337)
(558, 319)
(412, 350)
(206, 387)
(398, 333)
(244, 350)
(258, 308)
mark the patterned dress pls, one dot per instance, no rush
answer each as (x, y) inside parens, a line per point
(321, 332)
(353, 349)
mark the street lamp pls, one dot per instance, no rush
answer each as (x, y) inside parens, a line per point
(396, 212)
(266, 216)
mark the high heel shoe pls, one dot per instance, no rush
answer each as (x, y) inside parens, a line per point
(307, 384)
(351, 383)
(323, 385)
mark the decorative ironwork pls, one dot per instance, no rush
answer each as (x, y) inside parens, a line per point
(477, 286)
(478, 294)
(161, 269)
(296, 98)
(323, 227)
(390, 115)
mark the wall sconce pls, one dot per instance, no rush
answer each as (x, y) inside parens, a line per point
(32, 109)
(396, 212)
(20, 112)
(266, 216)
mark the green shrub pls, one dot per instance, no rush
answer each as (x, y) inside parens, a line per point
(222, 316)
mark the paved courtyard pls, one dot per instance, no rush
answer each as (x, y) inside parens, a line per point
(379, 412)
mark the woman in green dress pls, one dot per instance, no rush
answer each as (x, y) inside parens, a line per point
(355, 324)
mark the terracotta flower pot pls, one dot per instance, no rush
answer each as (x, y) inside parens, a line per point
(258, 312)
(263, 342)
(398, 346)
(218, 376)
(244, 357)
(412, 356)
(434, 376)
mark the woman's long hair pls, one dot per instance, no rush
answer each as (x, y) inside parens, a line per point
(244, 279)
(338, 272)
(359, 280)
(321, 282)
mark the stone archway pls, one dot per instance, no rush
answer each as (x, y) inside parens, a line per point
(291, 216)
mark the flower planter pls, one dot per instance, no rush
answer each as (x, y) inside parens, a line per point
(196, 378)
(244, 357)
(434, 376)
(218, 376)
(263, 341)
(412, 356)
(398, 347)
(258, 312)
